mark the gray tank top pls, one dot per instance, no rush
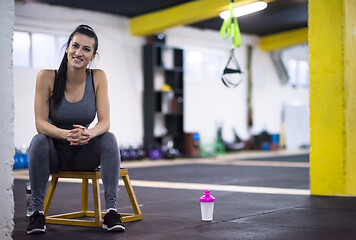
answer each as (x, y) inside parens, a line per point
(82, 112)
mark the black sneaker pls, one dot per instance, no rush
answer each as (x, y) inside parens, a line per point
(112, 222)
(37, 223)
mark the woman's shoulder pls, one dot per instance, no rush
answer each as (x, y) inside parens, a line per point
(45, 78)
(100, 81)
(46, 74)
(98, 72)
(99, 75)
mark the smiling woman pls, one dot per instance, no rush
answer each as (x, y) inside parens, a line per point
(66, 102)
(86, 36)
(80, 51)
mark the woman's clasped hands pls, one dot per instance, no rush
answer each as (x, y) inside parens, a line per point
(78, 136)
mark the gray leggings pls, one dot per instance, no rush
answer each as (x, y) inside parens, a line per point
(47, 155)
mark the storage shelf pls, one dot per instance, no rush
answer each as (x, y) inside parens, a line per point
(163, 68)
(170, 114)
(158, 107)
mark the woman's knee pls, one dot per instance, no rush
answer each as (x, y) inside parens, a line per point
(109, 137)
(109, 141)
(39, 144)
(38, 140)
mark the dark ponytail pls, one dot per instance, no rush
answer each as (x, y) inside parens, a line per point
(61, 75)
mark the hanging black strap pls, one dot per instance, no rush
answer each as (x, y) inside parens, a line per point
(227, 70)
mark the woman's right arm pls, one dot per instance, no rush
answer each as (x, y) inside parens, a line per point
(44, 83)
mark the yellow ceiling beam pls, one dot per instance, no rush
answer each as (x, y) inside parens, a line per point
(183, 14)
(284, 39)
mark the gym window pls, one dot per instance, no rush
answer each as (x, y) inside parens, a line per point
(296, 62)
(37, 50)
(298, 71)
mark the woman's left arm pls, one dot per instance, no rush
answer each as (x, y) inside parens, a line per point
(102, 104)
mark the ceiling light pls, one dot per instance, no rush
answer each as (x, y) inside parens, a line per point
(245, 9)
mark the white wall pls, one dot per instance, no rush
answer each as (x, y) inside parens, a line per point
(6, 120)
(208, 103)
(207, 100)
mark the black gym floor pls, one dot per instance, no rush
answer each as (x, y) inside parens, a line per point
(172, 211)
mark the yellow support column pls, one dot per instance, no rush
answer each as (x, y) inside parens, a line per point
(350, 95)
(332, 59)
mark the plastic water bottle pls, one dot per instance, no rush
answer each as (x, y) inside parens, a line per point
(207, 206)
(28, 200)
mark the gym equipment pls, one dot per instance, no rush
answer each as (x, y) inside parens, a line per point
(220, 147)
(236, 145)
(20, 157)
(249, 93)
(132, 153)
(141, 153)
(19, 161)
(70, 218)
(170, 153)
(25, 160)
(230, 27)
(166, 88)
(192, 144)
(155, 153)
(168, 150)
(125, 155)
(208, 150)
(275, 141)
(265, 146)
(260, 141)
(232, 74)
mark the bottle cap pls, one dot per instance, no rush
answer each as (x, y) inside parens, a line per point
(28, 188)
(207, 197)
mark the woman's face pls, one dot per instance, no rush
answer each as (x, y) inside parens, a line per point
(80, 51)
